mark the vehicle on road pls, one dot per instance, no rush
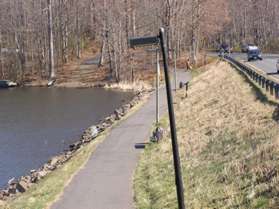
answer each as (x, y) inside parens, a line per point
(7, 84)
(222, 53)
(277, 66)
(254, 53)
(225, 47)
(245, 47)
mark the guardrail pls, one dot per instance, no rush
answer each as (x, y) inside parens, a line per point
(269, 83)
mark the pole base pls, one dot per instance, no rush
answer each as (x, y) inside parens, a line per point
(157, 134)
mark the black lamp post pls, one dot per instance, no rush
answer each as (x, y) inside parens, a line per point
(155, 40)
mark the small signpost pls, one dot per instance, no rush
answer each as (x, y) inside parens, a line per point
(143, 41)
(160, 40)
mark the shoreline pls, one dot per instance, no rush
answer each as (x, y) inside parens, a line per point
(22, 184)
(137, 86)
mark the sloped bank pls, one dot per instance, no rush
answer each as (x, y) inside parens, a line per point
(228, 137)
(24, 183)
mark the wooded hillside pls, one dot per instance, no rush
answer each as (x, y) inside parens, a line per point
(26, 27)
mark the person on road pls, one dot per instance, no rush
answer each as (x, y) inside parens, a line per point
(188, 64)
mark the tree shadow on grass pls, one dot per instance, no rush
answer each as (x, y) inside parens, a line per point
(260, 95)
(257, 91)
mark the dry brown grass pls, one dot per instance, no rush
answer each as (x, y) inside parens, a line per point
(220, 100)
(229, 148)
(127, 86)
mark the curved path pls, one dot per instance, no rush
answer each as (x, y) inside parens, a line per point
(268, 64)
(106, 180)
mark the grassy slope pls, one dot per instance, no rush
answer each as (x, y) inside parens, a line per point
(228, 139)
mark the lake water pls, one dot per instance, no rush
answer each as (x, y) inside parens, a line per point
(38, 123)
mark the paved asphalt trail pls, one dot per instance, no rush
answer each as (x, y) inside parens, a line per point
(106, 180)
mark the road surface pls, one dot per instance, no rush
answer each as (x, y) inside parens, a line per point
(268, 64)
(106, 180)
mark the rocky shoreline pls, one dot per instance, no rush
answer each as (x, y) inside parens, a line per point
(23, 183)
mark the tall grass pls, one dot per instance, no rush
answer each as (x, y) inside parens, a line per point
(229, 149)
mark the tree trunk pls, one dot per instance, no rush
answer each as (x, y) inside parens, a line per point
(1, 57)
(103, 50)
(77, 32)
(51, 46)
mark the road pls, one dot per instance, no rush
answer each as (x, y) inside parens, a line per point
(106, 180)
(268, 64)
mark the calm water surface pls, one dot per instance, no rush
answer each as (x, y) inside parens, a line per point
(37, 123)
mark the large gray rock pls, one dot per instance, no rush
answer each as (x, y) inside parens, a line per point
(12, 189)
(2, 196)
(42, 174)
(26, 179)
(48, 167)
(75, 146)
(54, 161)
(125, 109)
(110, 119)
(12, 181)
(22, 186)
(117, 114)
(34, 177)
(32, 171)
(104, 126)
(90, 133)
(93, 131)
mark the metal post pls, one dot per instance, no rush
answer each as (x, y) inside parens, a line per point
(263, 82)
(175, 78)
(176, 158)
(267, 85)
(157, 85)
(276, 91)
(271, 88)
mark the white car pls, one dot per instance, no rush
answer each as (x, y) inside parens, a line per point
(12, 84)
(277, 66)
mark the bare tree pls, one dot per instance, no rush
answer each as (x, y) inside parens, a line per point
(38, 36)
(50, 34)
